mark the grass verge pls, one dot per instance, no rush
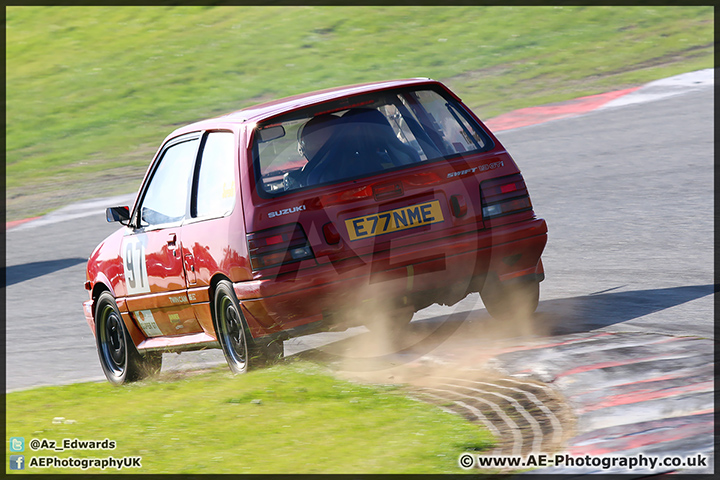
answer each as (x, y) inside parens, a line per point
(92, 91)
(293, 418)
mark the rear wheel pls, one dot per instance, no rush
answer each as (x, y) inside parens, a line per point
(510, 301)
(119, 359)
(231, 329)
(240, 349)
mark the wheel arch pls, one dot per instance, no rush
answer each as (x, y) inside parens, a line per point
(251, 322)
(97, 290)
(214, 281)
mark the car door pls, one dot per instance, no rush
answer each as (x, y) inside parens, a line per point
(206, 233)
(152, 251)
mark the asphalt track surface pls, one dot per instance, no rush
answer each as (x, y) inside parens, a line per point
(628, 196)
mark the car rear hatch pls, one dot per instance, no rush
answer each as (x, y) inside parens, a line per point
(375, 175)
(385, 217)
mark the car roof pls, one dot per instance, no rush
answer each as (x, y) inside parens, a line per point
(270, 109)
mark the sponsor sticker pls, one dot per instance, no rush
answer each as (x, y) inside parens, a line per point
(147, 323)
(394, 220)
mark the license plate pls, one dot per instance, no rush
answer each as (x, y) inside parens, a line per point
(394, 220)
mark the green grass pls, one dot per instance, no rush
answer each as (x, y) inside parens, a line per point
(291, 418)
(92, 91)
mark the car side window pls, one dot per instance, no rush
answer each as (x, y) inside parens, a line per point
(215, 190)
(166, 196)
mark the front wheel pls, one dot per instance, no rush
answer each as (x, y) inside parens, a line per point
(510, 301)
(119, 359)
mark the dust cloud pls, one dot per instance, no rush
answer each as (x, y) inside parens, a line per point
(458, 341)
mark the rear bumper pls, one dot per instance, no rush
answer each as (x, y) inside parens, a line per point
(438, 271)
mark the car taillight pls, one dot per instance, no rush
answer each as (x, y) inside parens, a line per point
(277, 246)
(505, 195)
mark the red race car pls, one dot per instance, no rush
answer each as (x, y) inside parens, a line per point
(310, 213)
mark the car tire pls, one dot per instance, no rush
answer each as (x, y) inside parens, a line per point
(119, 358)
(510, 301)
(231, 328)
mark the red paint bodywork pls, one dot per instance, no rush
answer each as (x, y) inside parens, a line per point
(435, 262)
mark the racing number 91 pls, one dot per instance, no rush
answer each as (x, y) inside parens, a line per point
(134, 263)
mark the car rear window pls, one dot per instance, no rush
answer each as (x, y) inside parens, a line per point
(362, 136)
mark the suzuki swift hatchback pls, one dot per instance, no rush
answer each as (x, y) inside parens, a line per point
(314, 212)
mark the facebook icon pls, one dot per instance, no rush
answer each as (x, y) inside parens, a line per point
(17, 462)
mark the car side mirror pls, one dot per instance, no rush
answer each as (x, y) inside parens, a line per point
(118, 214)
